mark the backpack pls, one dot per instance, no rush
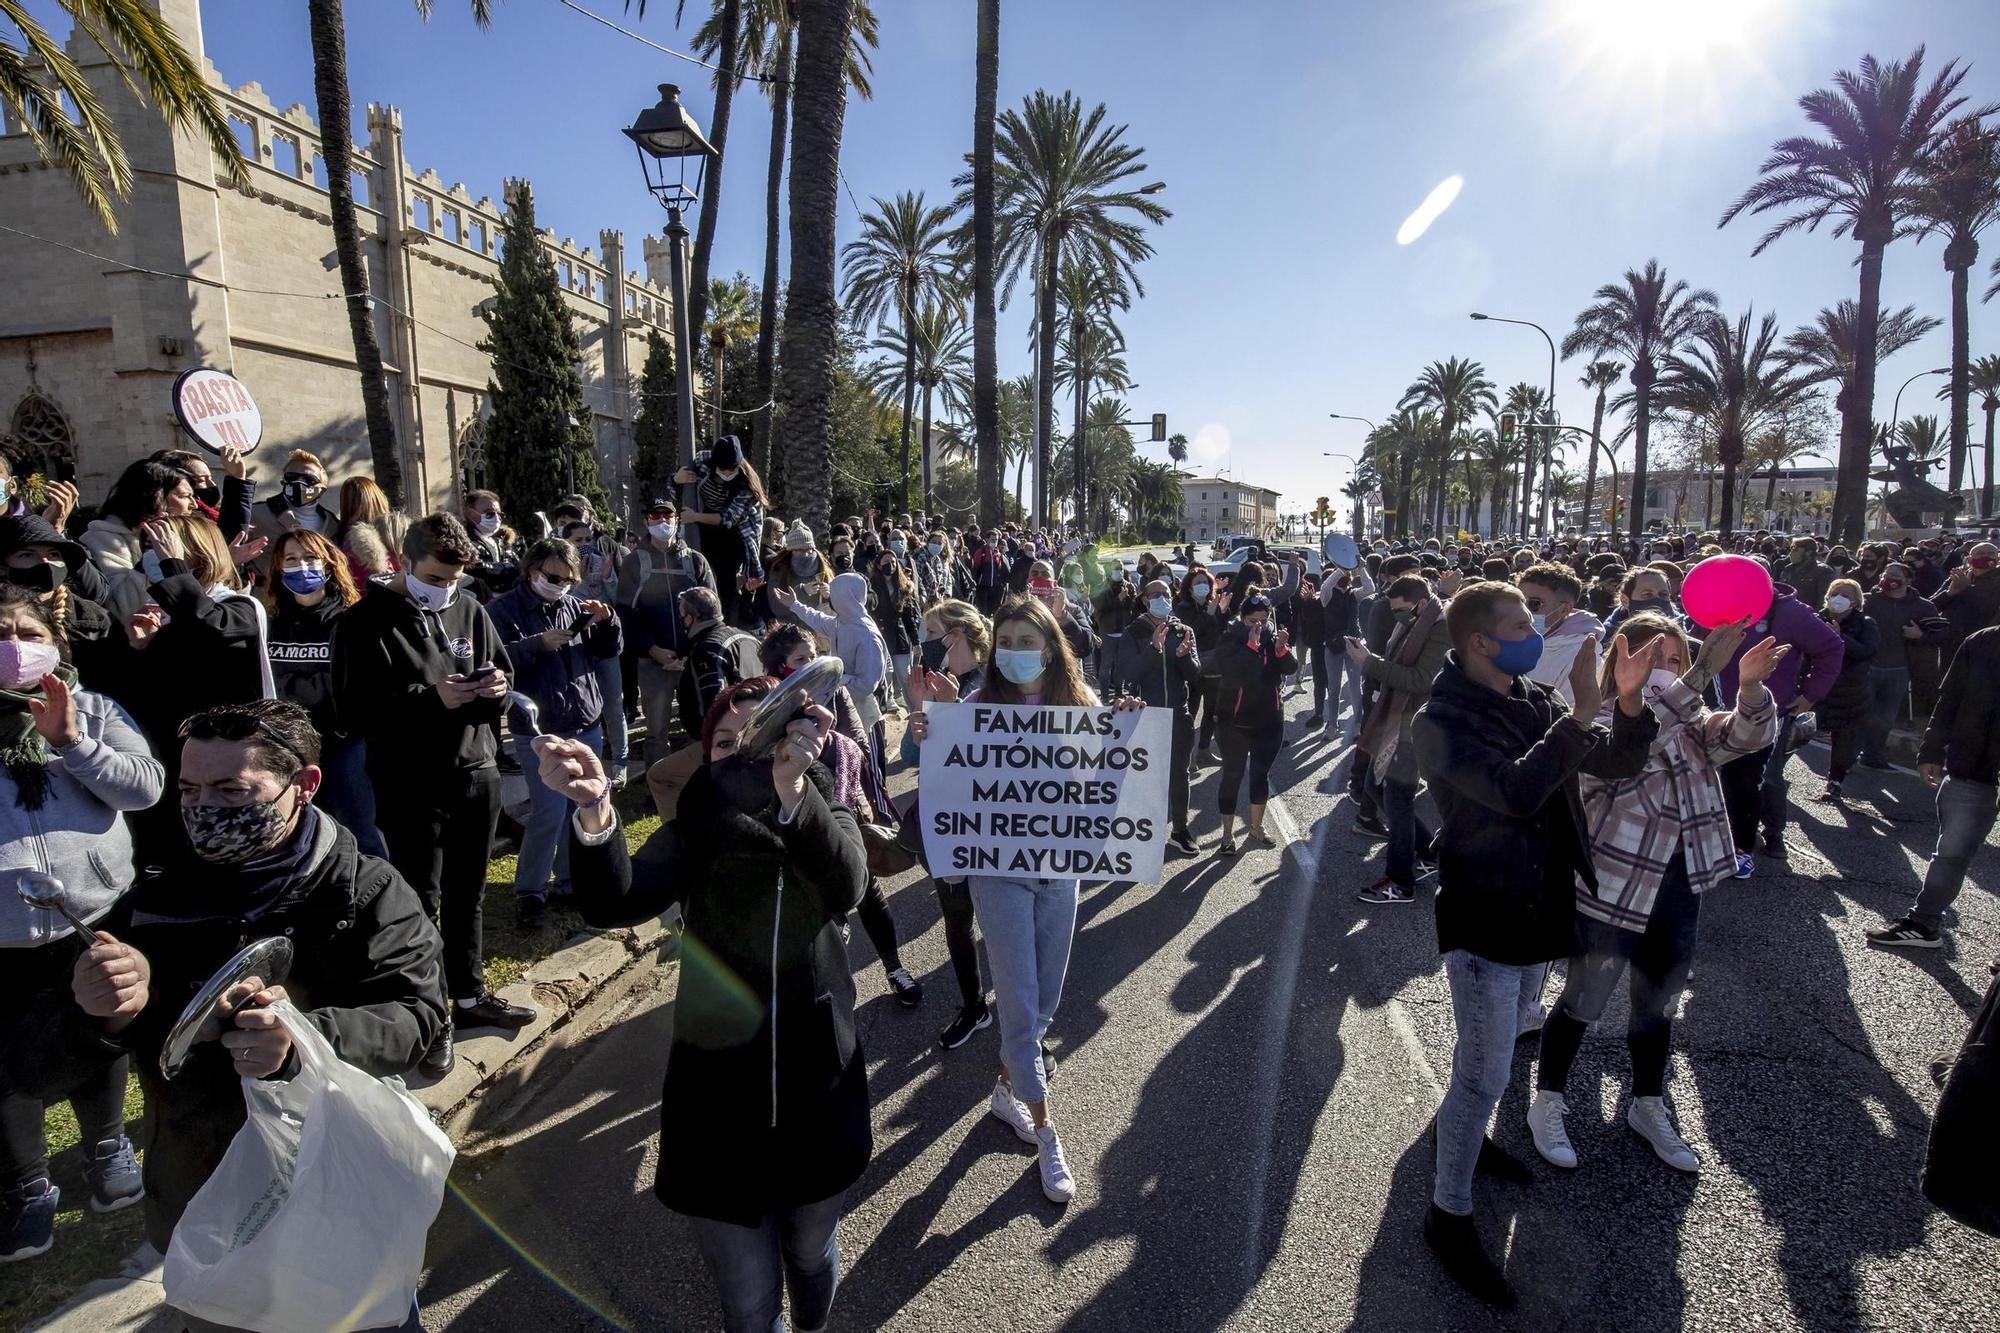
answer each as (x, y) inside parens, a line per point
(746, 663)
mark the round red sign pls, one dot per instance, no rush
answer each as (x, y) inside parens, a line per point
(216, 411)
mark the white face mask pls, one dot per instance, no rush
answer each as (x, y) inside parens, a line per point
(1656, 683)
(547, 591)
(429, 595)
(1840, 606)
(489, 524)
(663, 532)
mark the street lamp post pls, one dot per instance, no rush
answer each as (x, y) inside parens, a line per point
(665, 133)
(1549, 408)
(1895, 420)
(1372, 428)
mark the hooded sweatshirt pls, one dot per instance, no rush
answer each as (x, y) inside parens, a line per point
(856, 642)
(1560, 647)
(389, 655)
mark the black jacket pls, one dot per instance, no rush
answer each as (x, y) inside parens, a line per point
(561, 681)
(1206, 622)
(1890, 614)
(1964, 730)
(650, 582)
(1846, 704)
(1247, 693)
(718, 656)
(366, 968)
(209, 649)
(388, 656)
(1160, 676)
(1972, 610)
(302, 656)
(1511, 846)
(765, 1105)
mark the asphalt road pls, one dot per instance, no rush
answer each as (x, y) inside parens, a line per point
(1249, 1059)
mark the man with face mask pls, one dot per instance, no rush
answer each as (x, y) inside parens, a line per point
(263, 861)
(296, 505)
(495, 566)
(1970, 599)
(1157, 659)
(654, 576)
(419, 672)
(1805, 573)
(1552, 593)
(1503, 757)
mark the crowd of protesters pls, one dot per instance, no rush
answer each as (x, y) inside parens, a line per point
(230, 716)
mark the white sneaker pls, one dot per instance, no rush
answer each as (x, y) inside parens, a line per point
(1649, 1120)
(1545, 1122)
(1057, 1182)
(1008, 1109)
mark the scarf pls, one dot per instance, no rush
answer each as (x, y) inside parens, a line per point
(1382, 732)
(23, 752)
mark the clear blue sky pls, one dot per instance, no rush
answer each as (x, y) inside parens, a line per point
(1591, 135)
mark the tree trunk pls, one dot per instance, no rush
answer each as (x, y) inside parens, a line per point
(924, 450)
(812, 314)
(717, 354)
(1527, 479)
(1079, 444)
(1548, 475)
(1850, 494)
(1642, 429)
(718, 134)
(336, 119)
(1771, 488)
(909, 406)
(1728, 499)
(991, 462)
(1045, 378)
(1590, 466)
(767, 310)
(1020, 482)
(1986, 494)
(1961, 373)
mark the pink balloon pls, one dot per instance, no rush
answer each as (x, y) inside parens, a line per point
(1726, 588)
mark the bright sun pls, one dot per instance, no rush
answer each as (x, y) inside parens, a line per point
(1656, 32)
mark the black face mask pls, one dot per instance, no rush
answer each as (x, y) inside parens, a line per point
(934, 651)
(210, 495)
(43, 578)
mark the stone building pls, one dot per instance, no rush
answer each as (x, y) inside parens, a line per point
(200, 273)
(1214, 507)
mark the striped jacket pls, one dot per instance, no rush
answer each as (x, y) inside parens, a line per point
(1635, 825)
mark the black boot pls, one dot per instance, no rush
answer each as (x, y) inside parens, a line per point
(1455, 1241)
(438, 1060)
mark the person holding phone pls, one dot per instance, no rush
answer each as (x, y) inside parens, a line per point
(420, 673)
(1075, 625)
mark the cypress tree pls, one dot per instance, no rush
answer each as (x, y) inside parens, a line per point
(656, 431)
(538, 421)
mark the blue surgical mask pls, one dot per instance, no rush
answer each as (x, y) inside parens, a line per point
(1200, 591)
(899, 546)
(305, 581)
(1019, 665)
(1517, 657)
(1541, 623)
(1160, 607)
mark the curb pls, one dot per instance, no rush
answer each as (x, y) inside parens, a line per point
(561, 987)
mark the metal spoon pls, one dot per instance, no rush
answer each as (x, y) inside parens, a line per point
(39, 889)
(526, 707)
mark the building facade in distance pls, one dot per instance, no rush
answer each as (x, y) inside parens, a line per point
(1212, 507)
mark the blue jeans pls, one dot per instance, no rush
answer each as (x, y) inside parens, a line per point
(543, 845)
(1409, 838)
(1029, 925)
(346, 793)
(1888, 688)
(611, 684)
(1486, 999)
(753, 1265)
(1965, 813)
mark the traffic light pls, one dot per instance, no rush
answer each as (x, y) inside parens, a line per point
(1507, 426)
(1159, 427)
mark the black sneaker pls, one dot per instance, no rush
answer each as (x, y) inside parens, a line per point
(909, 992)
(1370, 827)
(113, 1176)
(1227, 847)
(530, 914)
(1906, 934)
(1455, 1241)
(959, 1031)
(1774, 847)
(490, 1011)
(438, 1060)
(1183, 842)
(1312, 720)
(28, 1220)
(1832, 792)
(1386, 890)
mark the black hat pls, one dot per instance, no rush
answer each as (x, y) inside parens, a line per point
(726, 452)
(662, 507)
(32, 529)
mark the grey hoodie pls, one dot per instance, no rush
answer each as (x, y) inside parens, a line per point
(1560, 647)
(79, 834)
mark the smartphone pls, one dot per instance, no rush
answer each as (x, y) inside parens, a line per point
(480, 673)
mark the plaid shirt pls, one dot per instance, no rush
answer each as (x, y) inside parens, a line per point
(1636, 825)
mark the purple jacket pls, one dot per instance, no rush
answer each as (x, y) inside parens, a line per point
(1809, 669)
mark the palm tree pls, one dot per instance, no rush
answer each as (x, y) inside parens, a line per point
(1644, 320)
(1598, 375)
(936, 347)
(1017, 427)
(1177, 446)
(1985, 378)
(1958, 196)
(732, 317)
(901, 262)
(812, 314)
(769, 31)
(38, 77)
(1089, 348)
(1877, 126)
(1826, 345)
(1358, 488)
(1502, 460)
(985, 306)
(1527, 402)
(1737, 379)
(1451, 391)
(1395, 449)
(1063, 196)
(1925, 440)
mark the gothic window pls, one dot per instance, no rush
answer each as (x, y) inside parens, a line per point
(40, 439)
(472, 456)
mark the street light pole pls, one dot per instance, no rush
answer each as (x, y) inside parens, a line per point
(1895, 420)
(1549, 408)
(1372, 428)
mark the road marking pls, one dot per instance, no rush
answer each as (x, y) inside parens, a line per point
(1406, 1032)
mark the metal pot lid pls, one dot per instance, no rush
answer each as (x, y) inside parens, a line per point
(814, 683)
(269, 960)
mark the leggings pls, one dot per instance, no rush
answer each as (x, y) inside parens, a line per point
(1255, 747)
(93, 1084)
(724, 550)
(955, 905)
(881, 927)
(1202, 700)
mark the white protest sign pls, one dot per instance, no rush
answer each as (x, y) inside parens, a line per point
(1045, 793)
(216, 410)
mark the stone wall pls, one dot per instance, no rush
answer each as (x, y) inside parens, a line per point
(102, 343)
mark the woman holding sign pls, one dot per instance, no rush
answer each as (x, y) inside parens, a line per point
(1029, 923)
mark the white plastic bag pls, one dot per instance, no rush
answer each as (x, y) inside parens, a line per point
(315, 1218)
